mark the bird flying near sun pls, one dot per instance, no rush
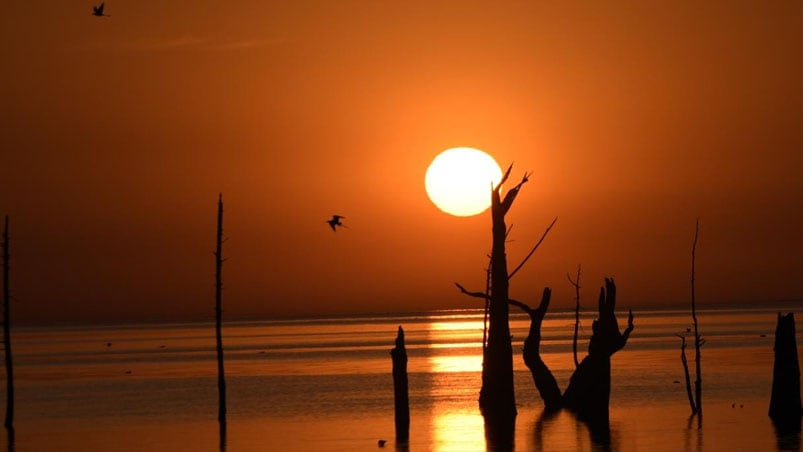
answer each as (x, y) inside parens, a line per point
(98, 10)
(459, 181)
(335, 222)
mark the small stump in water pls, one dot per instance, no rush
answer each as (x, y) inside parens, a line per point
(785, 406)
(400, 390)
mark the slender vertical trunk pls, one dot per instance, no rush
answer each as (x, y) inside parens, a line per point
(400, 389)
(221, 377)
(698, 342)
(9, 423)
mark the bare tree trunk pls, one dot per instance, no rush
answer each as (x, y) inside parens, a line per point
(9, 423)
(221, 377)
(497, 396)
(400, 389)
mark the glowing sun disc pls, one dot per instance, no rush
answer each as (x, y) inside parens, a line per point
(459, 180)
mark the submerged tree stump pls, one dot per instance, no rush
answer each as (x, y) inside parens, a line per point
(400, 389)
(785, 406)
(589, 390)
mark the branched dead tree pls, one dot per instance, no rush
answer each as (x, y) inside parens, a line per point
(221, 376)
(497, 397)
(576, 284)
(9, 423)
(588, 393)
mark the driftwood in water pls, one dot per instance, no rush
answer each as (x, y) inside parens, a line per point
(221, 377)
(9, 423)
(401, 401)
(785, 406)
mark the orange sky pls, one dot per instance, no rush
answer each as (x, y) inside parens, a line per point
(118, 134)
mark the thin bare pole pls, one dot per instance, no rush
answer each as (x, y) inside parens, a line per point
(685, 364)
(7, 336)
(576, 283)
(221, 377)
(698, 341)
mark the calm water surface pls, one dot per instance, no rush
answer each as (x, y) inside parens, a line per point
(325, 384)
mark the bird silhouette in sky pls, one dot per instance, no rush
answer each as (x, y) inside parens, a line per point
(335, 222)
(98, 10)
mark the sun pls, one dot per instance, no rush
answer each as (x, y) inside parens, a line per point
(459, 181)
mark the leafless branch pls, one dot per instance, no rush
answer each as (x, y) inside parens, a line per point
(511, 194)
(526, 258)
(471, 294)
(504, 178)
(523, 306)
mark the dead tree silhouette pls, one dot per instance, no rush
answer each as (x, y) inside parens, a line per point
(221, 376)
(588, 393)
(695, 401)
(497, 396)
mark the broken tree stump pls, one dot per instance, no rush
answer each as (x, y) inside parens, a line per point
(400, 389)
(785, 406)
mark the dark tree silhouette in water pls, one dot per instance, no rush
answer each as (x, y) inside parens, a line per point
(588, 393)
(497, 398)
(785, 406)
(9, 423)
(221, 377)
(589, 389)
(400, 389)
(695, 402)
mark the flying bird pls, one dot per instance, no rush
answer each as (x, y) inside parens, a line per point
(98, 10)
(335, 222)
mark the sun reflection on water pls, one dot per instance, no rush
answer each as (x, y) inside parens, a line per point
(458, 431)
(460, 363)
